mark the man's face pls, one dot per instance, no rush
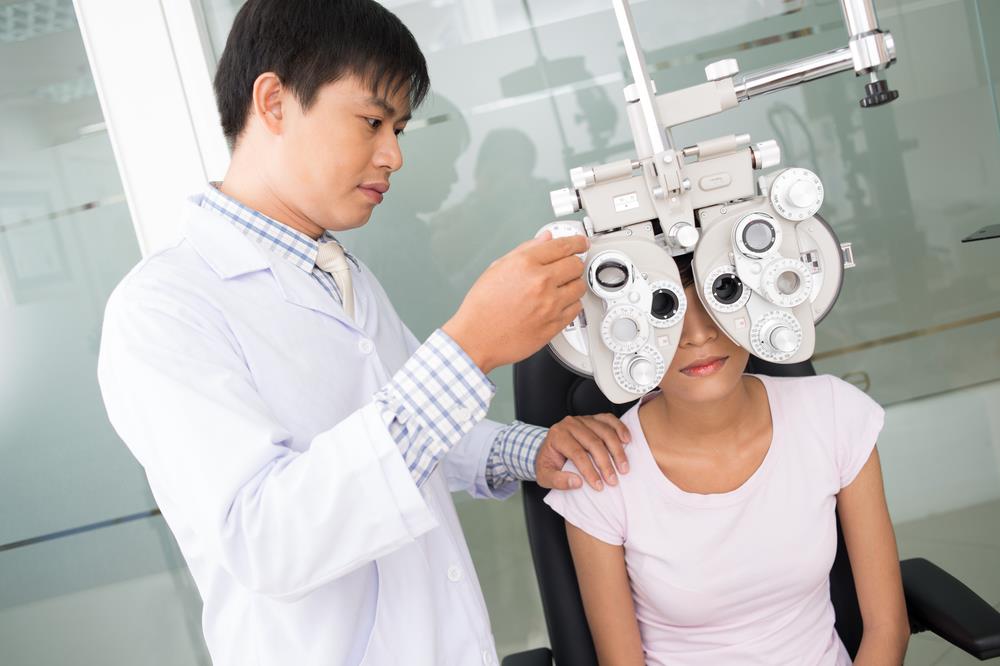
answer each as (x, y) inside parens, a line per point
(334, 159)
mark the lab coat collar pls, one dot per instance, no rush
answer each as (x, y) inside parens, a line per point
(220, 244)
(231, 255)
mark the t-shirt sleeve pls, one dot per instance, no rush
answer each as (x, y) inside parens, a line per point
(601, 514)
(859, 420)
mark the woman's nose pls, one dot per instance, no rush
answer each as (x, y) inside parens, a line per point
(699, 328)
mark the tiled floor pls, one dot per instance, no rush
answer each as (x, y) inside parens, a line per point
(966, 544)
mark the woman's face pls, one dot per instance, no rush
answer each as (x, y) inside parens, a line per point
(708, 365)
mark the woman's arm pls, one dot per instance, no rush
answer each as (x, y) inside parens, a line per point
(871, 545)
(607, 598)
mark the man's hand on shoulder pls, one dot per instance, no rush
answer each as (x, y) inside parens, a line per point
(595, 444)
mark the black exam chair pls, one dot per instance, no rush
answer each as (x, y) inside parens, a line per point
(545, 392)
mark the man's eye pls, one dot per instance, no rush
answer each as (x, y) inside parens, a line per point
(374, 123)
(399, 132)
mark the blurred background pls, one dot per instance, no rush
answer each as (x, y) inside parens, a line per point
(523, 90)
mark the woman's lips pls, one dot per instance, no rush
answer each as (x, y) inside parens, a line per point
(705, 367)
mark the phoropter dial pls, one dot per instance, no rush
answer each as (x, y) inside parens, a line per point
(776, 336)
(797, 194)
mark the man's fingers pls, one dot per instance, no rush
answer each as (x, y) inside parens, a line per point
(566, 270)
(537, 240)
(583, 463)
(616, 423)
(561, 481)
(569, 313)
(597, 450)
(611, 441)
(572, 291)
(549, 251)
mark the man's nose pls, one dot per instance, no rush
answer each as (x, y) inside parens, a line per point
(389, 154)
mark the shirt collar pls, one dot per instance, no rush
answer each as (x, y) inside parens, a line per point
(291, 245)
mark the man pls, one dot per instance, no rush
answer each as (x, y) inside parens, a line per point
(300, 443)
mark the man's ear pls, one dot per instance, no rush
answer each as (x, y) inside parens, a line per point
(268, 98)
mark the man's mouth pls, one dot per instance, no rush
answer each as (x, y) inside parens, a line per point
(374, 191)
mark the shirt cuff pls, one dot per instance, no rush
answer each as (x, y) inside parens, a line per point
(513, 455)
(433, 401)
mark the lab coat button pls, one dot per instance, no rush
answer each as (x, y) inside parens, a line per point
(454, 573)
(366, 346)
(488, 658)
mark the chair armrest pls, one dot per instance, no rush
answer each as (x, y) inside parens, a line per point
(538, 657)
(938, 601)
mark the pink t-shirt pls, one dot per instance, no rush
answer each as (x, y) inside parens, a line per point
(740, 577)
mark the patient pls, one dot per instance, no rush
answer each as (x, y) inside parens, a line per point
(715, 548)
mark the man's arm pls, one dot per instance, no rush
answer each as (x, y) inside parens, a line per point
(281, 521)
(433, 401)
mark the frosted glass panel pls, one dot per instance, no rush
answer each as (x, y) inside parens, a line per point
(80, 537)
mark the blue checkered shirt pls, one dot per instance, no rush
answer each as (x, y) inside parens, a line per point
(438, 395)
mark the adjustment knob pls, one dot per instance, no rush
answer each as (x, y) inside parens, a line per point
(783, 339)
(722, 69)
(563, 229)
(797, 194)
(776, 336)
(877, 93)
(564, 201)
(766, 154)
(642, 371)
(582, 177)
(683, 235)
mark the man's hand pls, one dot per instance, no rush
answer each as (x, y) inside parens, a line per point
(591, 442)
(521, 301)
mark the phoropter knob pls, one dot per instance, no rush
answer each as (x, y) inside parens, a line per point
(766, 154)
(877, 93)
(722, 69)
(564, 201)
(797, 194)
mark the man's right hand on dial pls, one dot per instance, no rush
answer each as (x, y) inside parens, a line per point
(521, 301)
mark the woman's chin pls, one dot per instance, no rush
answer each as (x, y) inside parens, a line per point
(702, 387)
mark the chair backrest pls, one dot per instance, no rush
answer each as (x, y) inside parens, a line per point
(545, 392)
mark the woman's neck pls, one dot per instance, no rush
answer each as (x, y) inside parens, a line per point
(715, 423)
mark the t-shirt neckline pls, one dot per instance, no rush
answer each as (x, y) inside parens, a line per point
(709, 500)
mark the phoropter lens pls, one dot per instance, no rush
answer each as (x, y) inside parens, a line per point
(758, 236)
(612, 275)
(664, 304)
(727, 289)
(788, 283)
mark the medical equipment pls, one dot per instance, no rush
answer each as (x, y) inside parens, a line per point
(766, 265)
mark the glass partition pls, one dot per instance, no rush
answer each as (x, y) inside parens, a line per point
(82, 547)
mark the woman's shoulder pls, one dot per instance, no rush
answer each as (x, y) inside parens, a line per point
(814, 389)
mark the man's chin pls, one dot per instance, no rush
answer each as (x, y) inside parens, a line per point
(344, 223)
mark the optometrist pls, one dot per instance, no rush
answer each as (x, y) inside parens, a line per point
(299, 442)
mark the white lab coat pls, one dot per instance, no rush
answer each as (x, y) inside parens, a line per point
(246, 394)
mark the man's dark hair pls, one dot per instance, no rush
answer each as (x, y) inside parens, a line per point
(309, 43)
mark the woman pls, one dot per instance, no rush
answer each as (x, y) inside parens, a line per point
(715, 548)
